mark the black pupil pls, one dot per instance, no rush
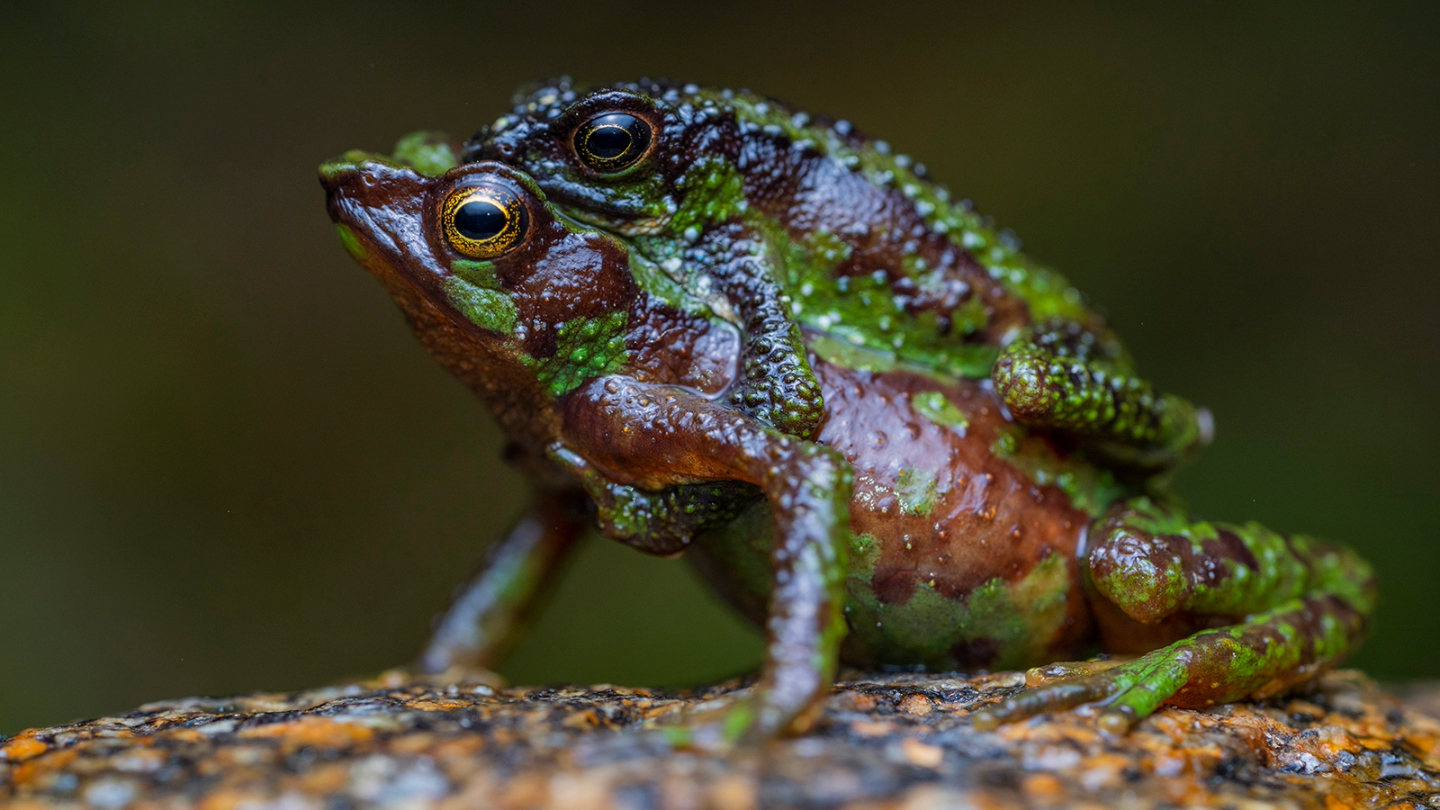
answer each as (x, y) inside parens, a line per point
(610, 136)
(480, 220)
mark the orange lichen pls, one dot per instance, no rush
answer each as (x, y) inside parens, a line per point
(22, 748)
(895, 740)
(310, 733)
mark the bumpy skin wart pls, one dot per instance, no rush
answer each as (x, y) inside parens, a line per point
(876, 427)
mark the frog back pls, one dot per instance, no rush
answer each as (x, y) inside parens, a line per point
(876, 254)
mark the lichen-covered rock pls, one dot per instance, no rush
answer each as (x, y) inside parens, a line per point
(891, 741)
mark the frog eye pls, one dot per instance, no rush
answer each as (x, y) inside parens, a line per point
(613, 141)
(484, 222)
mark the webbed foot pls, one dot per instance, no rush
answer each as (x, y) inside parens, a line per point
(1264, 655)
(1145, 682)
(714, 726)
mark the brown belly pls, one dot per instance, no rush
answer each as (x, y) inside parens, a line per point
(959, 559)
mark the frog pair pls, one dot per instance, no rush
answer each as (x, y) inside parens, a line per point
(715, 325)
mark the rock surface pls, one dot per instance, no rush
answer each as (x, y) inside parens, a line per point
(888, 741)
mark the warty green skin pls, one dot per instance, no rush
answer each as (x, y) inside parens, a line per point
(1082, 427)
(751, 205)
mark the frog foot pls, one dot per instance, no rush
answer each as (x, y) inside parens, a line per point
(1130, 690)
(1065, 670)
(1263, 655)
(714, 726)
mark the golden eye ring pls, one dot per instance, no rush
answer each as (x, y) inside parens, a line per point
(485, 221)
(612, 142)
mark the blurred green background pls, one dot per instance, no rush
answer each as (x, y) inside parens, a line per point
(226, 465)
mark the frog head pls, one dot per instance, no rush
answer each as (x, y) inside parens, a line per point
(511, 297)
(636, 159)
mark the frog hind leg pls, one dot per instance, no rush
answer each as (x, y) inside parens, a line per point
(1303, 606)
(1064, 378)
(490, 610)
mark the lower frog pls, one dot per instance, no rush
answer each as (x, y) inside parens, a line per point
(919, 525)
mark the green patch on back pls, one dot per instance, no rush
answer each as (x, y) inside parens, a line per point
(655, 282)
(916, 491)
(712, 190)
(864, 310)
(1018, 621)
(585, 348)
(486, 308)
(1047, 292)
(428, 153)
(934, 406)
(864, 551)
(969, 317)
(1090, 488)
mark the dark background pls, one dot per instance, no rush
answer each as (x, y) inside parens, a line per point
(225, 464)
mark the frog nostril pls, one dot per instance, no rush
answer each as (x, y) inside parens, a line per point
(361, 175)
(349, 171)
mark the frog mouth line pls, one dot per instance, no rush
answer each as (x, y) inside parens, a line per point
(574, 207)
(642, 226)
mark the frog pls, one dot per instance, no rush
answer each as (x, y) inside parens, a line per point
(921, 521)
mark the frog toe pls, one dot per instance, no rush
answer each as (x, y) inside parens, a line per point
(1060, 695)
(1129, 691)
(715, 726)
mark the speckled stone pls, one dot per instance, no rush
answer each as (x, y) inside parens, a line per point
(889, 741)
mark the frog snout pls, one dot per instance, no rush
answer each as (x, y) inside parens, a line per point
(348, 169)
(367, 179)
(369, 192)
(346, 184)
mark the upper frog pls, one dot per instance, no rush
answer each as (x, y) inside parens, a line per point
(778, 219)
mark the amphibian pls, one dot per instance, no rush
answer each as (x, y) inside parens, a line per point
(714, 325)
